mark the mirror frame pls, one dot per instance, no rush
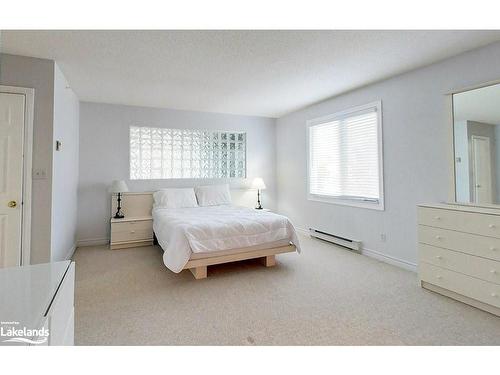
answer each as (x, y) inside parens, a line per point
(452, 189)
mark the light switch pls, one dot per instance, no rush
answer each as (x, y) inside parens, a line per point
(39, 174)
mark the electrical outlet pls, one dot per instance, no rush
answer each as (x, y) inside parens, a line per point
(383, 237)
(39, 174)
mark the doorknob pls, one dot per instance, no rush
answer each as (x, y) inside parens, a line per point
(12, 204)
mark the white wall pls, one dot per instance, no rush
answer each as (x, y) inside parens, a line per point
(53, 221)
(65, 169)
(104, 156)
(38, 74)
(416, 153)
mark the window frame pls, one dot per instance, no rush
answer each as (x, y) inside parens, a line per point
(228, 178)
(349, 201)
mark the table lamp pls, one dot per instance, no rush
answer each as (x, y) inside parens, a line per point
(258, 183)
(118, 186)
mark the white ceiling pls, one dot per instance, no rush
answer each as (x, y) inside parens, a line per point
(265, 73)
(482, 105)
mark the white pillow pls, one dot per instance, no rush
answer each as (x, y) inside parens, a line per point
(175, 198)
(213, 195)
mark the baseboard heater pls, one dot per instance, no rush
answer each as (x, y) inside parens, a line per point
(337, 240)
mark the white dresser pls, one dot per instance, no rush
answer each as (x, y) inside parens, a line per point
(459, 253)
(37, 304)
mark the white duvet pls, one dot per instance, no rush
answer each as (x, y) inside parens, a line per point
(183, 231)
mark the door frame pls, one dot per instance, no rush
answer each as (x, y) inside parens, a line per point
(29, 95)
(473, 164)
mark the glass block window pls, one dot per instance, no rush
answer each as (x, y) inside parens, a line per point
(159, 153)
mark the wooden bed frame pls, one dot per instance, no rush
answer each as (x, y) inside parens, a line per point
(198, 267)
(141, 205)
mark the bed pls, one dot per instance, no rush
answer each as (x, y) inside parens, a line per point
(199, 227)
(196, 237)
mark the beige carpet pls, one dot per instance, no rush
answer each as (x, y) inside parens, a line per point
(324, 296)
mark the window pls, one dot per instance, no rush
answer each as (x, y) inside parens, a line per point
(158, 153)
(345, 157)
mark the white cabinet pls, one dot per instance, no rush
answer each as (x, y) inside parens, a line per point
(62, 311)
(37, 304)
(459, 253)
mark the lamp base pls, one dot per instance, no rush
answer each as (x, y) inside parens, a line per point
(119, 214)
(259, 205)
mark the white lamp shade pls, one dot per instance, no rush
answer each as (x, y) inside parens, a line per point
(258, 183)
(118, 186)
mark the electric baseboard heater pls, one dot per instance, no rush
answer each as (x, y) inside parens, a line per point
(337, 240)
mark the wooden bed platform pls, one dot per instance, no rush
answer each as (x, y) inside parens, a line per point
(198, 267)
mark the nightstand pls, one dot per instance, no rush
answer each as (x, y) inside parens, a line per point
(131, 232)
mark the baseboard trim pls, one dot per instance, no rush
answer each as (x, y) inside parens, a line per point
(92, 242)
(376, 255)
(71, 251)
(389, 259)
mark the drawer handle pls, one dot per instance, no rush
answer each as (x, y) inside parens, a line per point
(493, 294)
(439, 277)
(491, 226)
(132, 231)
(437, 217)
(493, 271)
(493, 248)
(439, 257)
(438, 237)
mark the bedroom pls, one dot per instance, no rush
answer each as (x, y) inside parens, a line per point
(250, 187)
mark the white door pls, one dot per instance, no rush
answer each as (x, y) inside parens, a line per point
(12, 107)
(482, 181)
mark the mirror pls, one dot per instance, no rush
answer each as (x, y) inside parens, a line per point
(476, 134)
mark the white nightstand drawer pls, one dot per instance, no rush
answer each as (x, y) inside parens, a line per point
(487, 247)
(482, 224)
(131, 232)
(468, 286)
(131, 226)
(484, 269)
(132, 235)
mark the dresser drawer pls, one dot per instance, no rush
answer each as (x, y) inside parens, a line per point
(487, 247)
(470, 222)
(468, 286)
(132, 235)
(484, 269)
(129, 226)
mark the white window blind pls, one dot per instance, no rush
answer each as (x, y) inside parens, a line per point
(345, 155)
(160, 153)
